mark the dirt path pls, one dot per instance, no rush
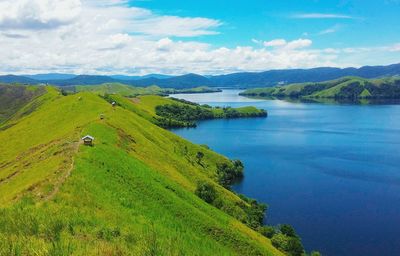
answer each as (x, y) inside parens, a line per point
(66, 174)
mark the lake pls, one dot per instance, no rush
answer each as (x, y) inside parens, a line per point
(332, 171)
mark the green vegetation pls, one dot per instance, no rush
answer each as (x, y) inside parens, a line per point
(228, 173)
(14, 97)
(350, 88)
(133, 91)
(184, 114)
(135, 192)
(206, 191)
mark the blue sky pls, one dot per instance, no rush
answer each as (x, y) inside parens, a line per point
(207, 37)
(358, 22)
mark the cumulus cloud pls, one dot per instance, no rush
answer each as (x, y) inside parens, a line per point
(37, 14)
(109, 37)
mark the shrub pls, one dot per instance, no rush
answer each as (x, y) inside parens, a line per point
(295, 248)
(280, 241)
(291, 245)
(287, 230)
(206, 192)
(228, 173)
(267, 231)
(199, 157)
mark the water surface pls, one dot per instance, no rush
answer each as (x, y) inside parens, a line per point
(332, 171)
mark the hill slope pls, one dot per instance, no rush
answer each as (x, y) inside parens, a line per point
(343, 88)
(132, 193)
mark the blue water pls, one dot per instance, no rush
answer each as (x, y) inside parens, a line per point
(332, 171)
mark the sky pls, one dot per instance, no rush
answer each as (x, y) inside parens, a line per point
(206, 37)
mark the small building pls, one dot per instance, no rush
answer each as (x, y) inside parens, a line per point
(88, 140)
(113, 103)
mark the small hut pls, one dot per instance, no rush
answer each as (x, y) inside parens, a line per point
(88, 140)
(113, 103)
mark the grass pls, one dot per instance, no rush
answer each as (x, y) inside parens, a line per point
(132, 91)
(132, 193)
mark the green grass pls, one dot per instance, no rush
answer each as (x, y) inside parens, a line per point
(132, 193)
(132, 91)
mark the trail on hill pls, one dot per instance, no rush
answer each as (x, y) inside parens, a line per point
(66, 174)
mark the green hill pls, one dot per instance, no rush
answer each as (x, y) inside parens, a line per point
(132, 91)
(12, 98)
(137, 191)
(344, 88)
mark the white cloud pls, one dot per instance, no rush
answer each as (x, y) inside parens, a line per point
(330, 30)
(292, 45)
(37, 14)
(321, 16)
(109, 37)
(275, 43)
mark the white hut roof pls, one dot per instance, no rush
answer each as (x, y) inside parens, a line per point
(88, 137)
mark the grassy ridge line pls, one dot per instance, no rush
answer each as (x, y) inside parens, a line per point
(344, 88)
(131, 193)
(131, 91)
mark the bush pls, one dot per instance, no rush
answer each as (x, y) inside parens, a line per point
(287, 230)
(291, 245)
(280, 241)
(295, 248)
(267, 231)
(228, 173)
(206, 192)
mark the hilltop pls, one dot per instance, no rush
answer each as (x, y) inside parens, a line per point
(140, 190)
(343, 88)
(132, 91)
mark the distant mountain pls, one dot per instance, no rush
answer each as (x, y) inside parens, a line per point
(273, 77)
(240, 80)
(51, 76)
(84, 80)
(127, 78)
(17, 79)
(185, 81)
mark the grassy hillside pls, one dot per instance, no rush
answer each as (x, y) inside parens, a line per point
(344, 88)
(14, 97)
(132, 91)
(132, 193)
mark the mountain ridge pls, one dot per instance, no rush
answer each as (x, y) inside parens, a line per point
(239, 80)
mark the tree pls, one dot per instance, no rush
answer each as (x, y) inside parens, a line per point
(288, 230)
(206, 191)
(294, 247)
